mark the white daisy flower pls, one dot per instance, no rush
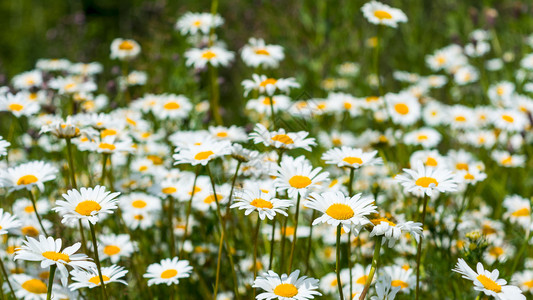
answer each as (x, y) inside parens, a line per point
(264, 203)
(338, 209)
(465, 75)
(202, 153)
(215, 56)
(171, 106)
(124, 49)
(517, 210)
(7, 222)
(427, 180)
(27, 80)
(90, 204)
(195, 23)
(72, 85)
(510, 120)
(27, 175)
(18, 104)
(86, 69)
(384, 288)
(29, 288)
(62, 129)
(91, 279)
(48, 252)
(282, 139)
(506, 159)
(262, 104)
(401, 277)
(297, 177)
(3, 146)
(54, 64)
(524, 280)
(430, 158)
(393, 231)
(426, 137)
(168, 271)
(115, 246)
(488, 282)
(256, 53)
(232, 133)
(351, 157)
(382, 14)
(403, 109)
(269, 86)
(286, 287)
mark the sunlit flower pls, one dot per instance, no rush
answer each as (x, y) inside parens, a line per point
(382, 14)
(7, 222)
(115, 246)
(297, 176)
(194, 23)
(90, 204)
(427, 180)
(269, 86)
(91, 278)
(27, 80)
(401, 277)
(215, 56)
(28, 175)
(506, 159)
(403, 108)
(202, 153)
(29, 288)
(286, 287)
(393, 231)
(18, 104)
(518, 210)
(263, 203)
(426, 137)
(3, 146)
(168, 271)
(124, 49)
(257, 53)
(351, 157)
(282, 139)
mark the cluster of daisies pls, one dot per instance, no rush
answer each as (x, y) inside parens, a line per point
(137, 197)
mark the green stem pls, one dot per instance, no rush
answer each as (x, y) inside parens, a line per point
(350, 192)
(51, 281)
(376, 60)
(104, 166)
(188, 214)
(309, 241)
(419, 250)
(7, 279)
(256, 238)
(338, 262)
(293, 247)
(272, 235)
(97, 261)
(32, 198)
(171, 242)
(272, 113)
(214, 95)
(373, 268)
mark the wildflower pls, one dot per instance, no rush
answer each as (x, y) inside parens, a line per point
(384, 288)
(297, 176)
(426, 180)
(27, 287)
(115, 246)
(269, 86)
(168, 271)
(264, 203)
(262, 104)
(89, 204)
(124, 49)
(91, 278)
(282, 139)
(337, 209)
(257, 53)
(28, 175)
(401, 277)
(351, 157)
(426, 137)
(172, 106)
(3, 146)
(7, 222)
(215, 56)
(404, 109)
(286, 287)
(488, 282)
(195, 23)
(18, 104)
(27, 80)
(382, 14)
(202, 153)
(506, 159)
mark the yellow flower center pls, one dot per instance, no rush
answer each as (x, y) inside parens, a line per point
(382, 15)
(372, 99)
(203, 155)
(211, 198)
(333, 282)
(289, 231)
(261, 203)
(107, 132)
(27, 179)
(268, 101)
(56, 256)
(87, 207)
(15, 107)
(299, 181)
(496, 251)
(523, 212)
(333, 183)
(399, 283)
(197, 23)
(171, 105)
(422, 137)
(489, 284)
(107, 146)
(111, 250)
(401, 108)
(262, 52)
(469, 176)
(222, 134)
(208, 54)
(138, 204)
(126, 45)
(378, 221)
(138, 217)
(426, 181)
(169, 190)
(460, 119)
(431, 162)
(96, 279)
(268, 81)
(461, 166)
(143, 168)
(156, 160)
(500, 91)
(286, 290)
(507, 161)
(34, 286)
(353, 160)
(29, 230)
(283, 138)
(340, 211)
(361, 280)
(529, 284)
(508, 118)
(169, 273)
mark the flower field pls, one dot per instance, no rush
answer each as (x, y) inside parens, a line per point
(266, 150)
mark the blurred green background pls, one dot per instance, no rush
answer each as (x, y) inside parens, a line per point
(317, 35)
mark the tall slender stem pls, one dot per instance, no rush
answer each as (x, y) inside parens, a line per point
(376, 59)
(273, 113)
(97, 261)
(338, 262)
(272, 237)
(172, 238)
(7, 279)
(350, 193)
(222, 241)
(293, 247)
(283, 232)
(50, 281)
(32, 198)
(309, 241)
(104, 165)
(419, 250)
(188, 214)
(256, 238)
(373, 268)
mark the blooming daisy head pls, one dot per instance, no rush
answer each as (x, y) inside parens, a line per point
(268, 85)
(3, 146)
(28, 175)
(7, 222)
(198, 23)
(426, 180)
(393, 230)
(281, 139)
(28, 287)
(351, 157)
(297, 177)
(215, 56)
(202, 152)
(381, 14)
(90, 204)
(338, 209)
(488, 282)
(124, 49)
(91, 278)
(286, 287)
(403, 108)
(168, 271)
(264, 203)
(256, 53)
(18, 104)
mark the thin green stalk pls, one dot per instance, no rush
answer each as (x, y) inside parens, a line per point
(273, 113)
(373, 268)
(4, 272)
(32, 198)
(222, 241)
(376, 60)
(97, 261)
(104, 166)
(256, 238)
(338, 262)
(309, 241)
(283, 238)
(293, 247)
(272, 236)
(188, 214)
(51, 281)
(419, 250)
(214, 95)
(350, 192)
(172, 237)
